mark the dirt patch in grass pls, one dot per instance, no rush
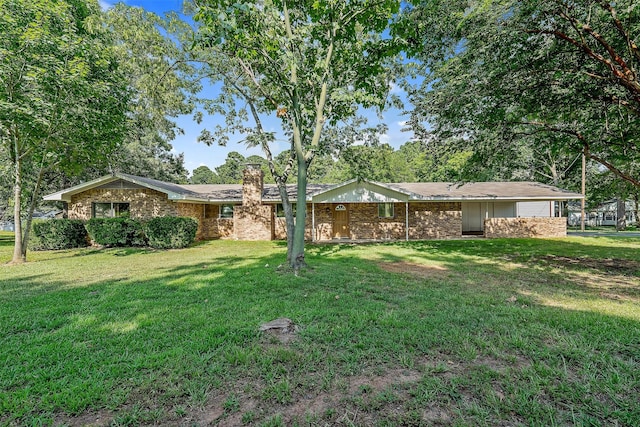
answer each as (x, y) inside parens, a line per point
(606, 265)
(92, 418)
(442, 364)
(414, 269)
(334, 406)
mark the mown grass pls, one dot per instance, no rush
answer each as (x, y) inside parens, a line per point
(474, 332)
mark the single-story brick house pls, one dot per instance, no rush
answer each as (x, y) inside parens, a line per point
(352, 210)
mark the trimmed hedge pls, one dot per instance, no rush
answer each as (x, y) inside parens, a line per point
(170, 232)
(120, 231)
(55, 234)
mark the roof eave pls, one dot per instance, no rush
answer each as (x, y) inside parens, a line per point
(65, 195)
(494, 198)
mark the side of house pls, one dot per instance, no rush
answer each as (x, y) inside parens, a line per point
(354, 210)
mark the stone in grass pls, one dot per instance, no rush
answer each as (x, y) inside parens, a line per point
(284, 329)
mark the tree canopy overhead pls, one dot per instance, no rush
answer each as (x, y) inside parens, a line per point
(526, 80)
(308, 63)
(163, 87)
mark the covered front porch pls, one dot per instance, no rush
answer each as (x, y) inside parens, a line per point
(368, 211)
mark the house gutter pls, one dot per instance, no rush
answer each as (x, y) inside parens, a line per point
(496, 198)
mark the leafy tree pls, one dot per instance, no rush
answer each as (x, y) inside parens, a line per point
(230, 172)
(307, 63)
(62, 98)
(366, 162)
(530, 84)
(163, 85)
(203, 175)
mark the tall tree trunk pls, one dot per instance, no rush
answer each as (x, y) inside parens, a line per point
(32, 207)
(18, 256)
(289, 221)
(297, 254)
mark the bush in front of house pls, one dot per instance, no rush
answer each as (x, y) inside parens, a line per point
(121, 231)
(170, 232)
(55, 234)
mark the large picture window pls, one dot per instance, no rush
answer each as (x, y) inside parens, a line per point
(385, 210)
(226, 211)
(110, 209)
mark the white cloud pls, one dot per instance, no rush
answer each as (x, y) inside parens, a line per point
(402, 123)
(384, 138)
(105, 5)
(394, 88)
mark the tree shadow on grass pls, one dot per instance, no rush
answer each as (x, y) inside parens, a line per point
(187, 337)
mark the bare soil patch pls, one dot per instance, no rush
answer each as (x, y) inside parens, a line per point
(92, 418)
(358, 400)
(414, 269)
(308, 403)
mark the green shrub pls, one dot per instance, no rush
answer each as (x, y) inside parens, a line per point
(170, 232)
(120, 231)
(58, 234)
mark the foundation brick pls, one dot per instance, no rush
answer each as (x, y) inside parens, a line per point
(525, 227)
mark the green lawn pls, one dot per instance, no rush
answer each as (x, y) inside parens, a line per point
(476, 332)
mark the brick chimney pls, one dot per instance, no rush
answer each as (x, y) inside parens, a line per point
(252, 185)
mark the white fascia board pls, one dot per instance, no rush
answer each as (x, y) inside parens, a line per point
(204, 200)
(326, 190)
(65, 195)
(353, 191)
(495, 198)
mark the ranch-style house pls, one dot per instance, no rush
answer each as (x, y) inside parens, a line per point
(353, 210)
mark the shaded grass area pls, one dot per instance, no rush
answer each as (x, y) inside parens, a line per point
(474, 332)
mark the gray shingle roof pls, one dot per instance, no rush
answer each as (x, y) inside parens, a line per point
(417, 190)
(484, 190)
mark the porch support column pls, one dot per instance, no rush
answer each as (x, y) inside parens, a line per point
(406, 220)
(313, 222)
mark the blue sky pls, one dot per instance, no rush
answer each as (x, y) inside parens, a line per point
(197, 154)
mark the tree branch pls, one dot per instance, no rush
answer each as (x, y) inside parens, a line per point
(623, 175)
(633, 47)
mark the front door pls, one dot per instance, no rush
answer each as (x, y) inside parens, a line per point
(340, 222)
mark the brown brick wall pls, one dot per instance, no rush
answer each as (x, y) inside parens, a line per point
(428, 220)
(364, 222)
(253, 222)
(324, 222)
(525, 227)
(143, 203)
(252, 186)
(279, 229)
(280, 225)
(209, 227)
(435, 220)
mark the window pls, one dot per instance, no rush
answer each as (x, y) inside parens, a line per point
(280, 210)
(110, 210)
(385, 210)
(226, 211)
